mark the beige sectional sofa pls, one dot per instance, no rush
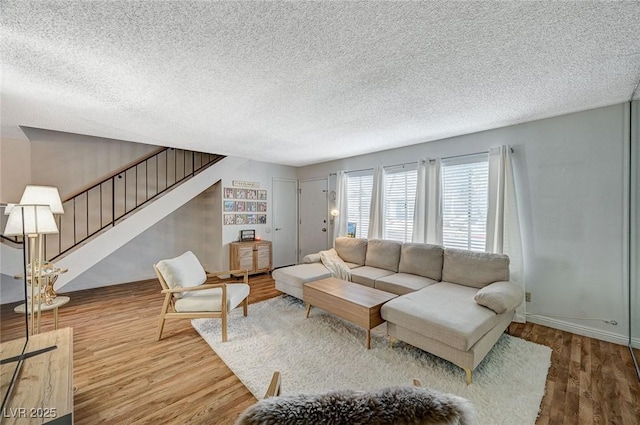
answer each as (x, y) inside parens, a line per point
(453, 303)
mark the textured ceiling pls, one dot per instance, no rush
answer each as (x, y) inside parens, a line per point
(304, 82)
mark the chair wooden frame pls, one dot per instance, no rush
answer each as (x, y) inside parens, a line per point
(169, 310)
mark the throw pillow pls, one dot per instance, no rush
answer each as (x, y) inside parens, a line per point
(500, 296)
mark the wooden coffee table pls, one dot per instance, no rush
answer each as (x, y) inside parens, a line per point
(356, 303)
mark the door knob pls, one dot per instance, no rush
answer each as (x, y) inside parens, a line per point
(324, 229)
(277, 228)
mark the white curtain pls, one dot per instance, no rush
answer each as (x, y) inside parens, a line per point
(427, 215)
(503, 225)
(376, 218)
(340, 222)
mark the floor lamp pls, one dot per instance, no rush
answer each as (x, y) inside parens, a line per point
(44, 195)
(32, 221)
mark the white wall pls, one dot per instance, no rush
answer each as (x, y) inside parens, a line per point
(263, 173)
(183, 230)
(570, 186)
(72, 161)
(15, 174)
(196, 226)
(67, 161)
(15, 169)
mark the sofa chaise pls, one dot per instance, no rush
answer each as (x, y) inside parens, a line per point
(452, 303)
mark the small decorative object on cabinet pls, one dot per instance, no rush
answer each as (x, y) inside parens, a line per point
(247, 235)
(254, 256)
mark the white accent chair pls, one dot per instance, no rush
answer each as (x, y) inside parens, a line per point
(187, 297)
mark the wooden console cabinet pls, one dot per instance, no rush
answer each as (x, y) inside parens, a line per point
(43, 392)
(254, 256)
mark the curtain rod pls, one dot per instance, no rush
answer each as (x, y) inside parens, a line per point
(352, 171)
(400, 165)
(408, 163)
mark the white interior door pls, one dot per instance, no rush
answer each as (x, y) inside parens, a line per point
(314, 216)
(285, 222)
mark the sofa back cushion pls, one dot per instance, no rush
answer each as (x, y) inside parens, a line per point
(383, 254)
(476, 269)
(421, 259)
(352, 250)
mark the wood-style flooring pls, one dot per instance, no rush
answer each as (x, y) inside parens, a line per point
(124, 376)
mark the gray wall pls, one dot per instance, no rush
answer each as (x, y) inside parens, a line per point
(570, 182)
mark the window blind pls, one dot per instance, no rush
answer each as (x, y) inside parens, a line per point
(399, 201)
(464, 201)
(359, 189)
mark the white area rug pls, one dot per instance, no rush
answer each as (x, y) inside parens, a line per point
(323, 353)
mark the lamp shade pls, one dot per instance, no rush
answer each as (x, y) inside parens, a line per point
(8, 208)
(43, 195)
(30, 220)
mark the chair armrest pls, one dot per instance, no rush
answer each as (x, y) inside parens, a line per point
(274, 386)
(194, 288)
(229, 272)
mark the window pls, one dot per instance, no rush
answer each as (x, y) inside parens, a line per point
(399, 201)
(359, 188)
(464, 202)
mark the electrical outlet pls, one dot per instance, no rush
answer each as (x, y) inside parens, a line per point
(527, 297)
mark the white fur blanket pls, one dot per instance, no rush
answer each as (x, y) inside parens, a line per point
(334, 263)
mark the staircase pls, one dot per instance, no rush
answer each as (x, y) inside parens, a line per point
(91, 210)
(102, 218)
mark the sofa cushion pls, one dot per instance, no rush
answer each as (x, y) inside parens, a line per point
(476, 269)
(402, 283)
(351, 250)
(383, 254)
(421, 259)
(443, 311)
(211, 299)
(367, 275)
(500, 296)
(301, 274)
(182, 272)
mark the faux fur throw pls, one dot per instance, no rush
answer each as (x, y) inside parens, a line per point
(334, 263)
(387, 406)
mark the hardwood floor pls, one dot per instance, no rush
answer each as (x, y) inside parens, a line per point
(124, 376)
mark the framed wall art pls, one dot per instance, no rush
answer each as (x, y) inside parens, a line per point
(244, 205)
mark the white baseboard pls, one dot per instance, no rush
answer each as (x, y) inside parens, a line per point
(599, 334)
